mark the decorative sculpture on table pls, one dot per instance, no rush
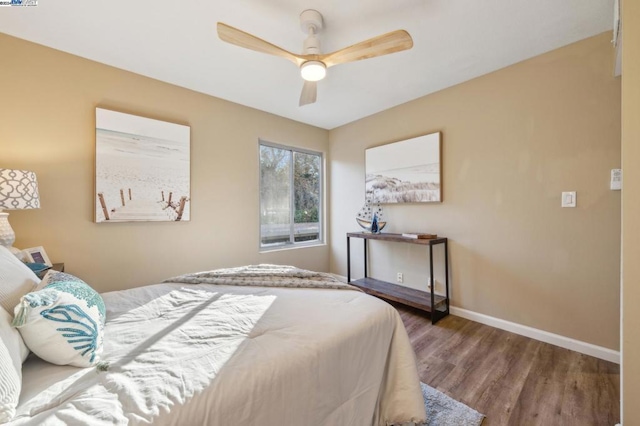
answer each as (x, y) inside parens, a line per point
(370, 217)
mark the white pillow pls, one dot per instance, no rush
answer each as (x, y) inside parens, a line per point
(63, 323)
(12, 353)
(16, 279)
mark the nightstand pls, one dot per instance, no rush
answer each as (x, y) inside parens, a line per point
(56, 267)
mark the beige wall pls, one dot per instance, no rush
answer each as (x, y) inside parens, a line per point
(631, 213)
(48, 101)
(513, 140)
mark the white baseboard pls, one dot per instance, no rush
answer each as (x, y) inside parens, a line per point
(533, 333)
(541, 335)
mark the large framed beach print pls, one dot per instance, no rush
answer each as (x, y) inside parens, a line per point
(409, 171)
(142, 169)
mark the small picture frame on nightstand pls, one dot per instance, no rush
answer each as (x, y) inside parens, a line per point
(37, 255)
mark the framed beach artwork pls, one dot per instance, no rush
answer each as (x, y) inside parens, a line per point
(408, 171)
(142, 169)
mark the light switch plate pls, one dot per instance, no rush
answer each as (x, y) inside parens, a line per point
(616, 179)
(569, 199)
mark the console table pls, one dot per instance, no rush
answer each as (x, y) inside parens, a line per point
(437, 306)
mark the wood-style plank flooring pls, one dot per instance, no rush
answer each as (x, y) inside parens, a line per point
(512, 379)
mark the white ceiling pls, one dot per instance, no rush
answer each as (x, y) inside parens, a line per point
(176, 42)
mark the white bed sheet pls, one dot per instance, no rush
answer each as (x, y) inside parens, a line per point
(225, 355)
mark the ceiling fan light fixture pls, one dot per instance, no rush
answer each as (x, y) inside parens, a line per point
(313, 70)
(312, 63)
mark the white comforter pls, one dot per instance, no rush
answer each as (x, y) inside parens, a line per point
(205, 354)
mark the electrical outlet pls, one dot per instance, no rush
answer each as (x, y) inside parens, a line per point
(400, 278)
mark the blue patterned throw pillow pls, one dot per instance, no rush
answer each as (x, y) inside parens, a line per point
(62, 322)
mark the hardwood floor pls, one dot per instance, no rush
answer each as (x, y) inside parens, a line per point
(512, 379)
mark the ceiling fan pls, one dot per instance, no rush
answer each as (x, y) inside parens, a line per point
(313, 64)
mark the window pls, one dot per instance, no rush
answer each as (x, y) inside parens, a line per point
(290, 196)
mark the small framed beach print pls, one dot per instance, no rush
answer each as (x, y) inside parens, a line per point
(408, 171)
(37, 255)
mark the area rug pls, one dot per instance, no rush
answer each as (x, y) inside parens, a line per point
(445, 411)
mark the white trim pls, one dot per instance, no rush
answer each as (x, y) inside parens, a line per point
(541, 335)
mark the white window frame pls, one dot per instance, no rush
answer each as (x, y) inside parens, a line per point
(292, 243)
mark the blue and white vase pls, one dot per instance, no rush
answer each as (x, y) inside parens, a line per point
(374, 224)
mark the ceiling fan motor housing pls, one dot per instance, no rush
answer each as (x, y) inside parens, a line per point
(311, 22)
(311, 45)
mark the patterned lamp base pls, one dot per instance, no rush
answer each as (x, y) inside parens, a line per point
(7, 236)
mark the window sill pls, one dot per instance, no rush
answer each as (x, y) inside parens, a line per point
(290, 247)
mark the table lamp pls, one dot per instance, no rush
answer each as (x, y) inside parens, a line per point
(18, 191)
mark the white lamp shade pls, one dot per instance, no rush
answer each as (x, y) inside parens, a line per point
(313, 70)
(18, 190)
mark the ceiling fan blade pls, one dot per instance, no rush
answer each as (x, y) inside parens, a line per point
(392, 42)
(240, 38)
(309, 93)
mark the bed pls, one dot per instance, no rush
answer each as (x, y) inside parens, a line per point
(249, 350)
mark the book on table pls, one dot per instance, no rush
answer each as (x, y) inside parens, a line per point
(419, 235)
